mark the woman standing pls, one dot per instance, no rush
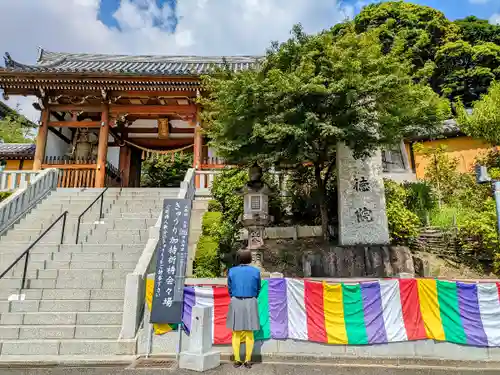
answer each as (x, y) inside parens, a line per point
(243, 282)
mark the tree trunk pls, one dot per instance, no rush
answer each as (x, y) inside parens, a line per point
(322, 203)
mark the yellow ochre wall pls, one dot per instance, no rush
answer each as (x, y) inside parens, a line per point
(465, 149)
(19, 165)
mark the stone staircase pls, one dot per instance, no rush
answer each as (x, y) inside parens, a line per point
(73, 303)
(200, 206)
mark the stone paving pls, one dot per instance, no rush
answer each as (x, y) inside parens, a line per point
(258, 369)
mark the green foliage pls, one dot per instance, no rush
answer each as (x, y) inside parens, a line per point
(312, 92)
(420, 199)
(484, 122)
(441, 172)
(4, 195)
(210, 223)
(207, 261)
(409, 30)
(478, 234)
(473, 30)
(214, 206)
(447, 216)
(223, 191)
(163, 171)
(458, 59)
(465, 70)
(403, 224)
(15, 129)
(303, 195)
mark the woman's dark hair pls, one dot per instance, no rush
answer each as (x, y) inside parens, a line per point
(244, 257)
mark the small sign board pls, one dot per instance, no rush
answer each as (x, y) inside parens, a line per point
(171, 262)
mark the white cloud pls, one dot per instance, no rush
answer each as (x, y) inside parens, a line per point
(495, 19)
(205, 27)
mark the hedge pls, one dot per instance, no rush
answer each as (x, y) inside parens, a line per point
(210, 223)
(206, 262)
(214, 206)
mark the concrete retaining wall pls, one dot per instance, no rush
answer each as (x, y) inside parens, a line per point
(426, 349)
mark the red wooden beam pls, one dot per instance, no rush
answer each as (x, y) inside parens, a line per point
(75, 124)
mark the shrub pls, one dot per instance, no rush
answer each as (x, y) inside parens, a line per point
(223, 191)
(403, 224)
(207, 261)
(165, 171)
(214, 206)
(478, 235)
(210, 223)
(420, 199)
(4, 195)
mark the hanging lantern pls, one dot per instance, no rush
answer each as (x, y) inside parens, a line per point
(163, 128)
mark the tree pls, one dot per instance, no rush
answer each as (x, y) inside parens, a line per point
(310, 93)
(484, 121)
(474, 30)
(458, 59)
(15, 129)
(410, 30)
(441, 172)
(466, 71)
(165, 170)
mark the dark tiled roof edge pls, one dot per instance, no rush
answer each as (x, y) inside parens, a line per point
(176, 65)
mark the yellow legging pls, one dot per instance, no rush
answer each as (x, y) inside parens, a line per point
(249, 343)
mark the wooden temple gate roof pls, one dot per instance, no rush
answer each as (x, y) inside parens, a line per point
(81, 71)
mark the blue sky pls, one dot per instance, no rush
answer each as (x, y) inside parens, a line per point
(178, 27)
(456, 9)
(453, 9)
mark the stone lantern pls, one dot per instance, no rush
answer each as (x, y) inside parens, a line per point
(255, 216)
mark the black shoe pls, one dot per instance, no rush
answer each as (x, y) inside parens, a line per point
(237, 364)
(247, 365)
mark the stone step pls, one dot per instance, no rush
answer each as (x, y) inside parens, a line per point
(132, 215)
(65, 283)
(141, 223)
(67, 347)
(139, 210)
(19, 247)
(61, 318)
(41, 332)
(34, 267)
(62, 294)
(67, 305)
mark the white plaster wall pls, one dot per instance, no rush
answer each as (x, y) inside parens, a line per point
(55, 145)
(114, 156)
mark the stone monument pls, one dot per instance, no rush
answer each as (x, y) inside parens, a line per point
(361, 199)
(255, 216)
(364, 243)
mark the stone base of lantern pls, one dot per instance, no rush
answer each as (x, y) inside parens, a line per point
(359, 261)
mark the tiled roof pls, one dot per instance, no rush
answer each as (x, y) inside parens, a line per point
(17, 151)
(56, 62)
(449, 128)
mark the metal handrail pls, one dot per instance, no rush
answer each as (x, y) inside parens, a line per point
(101, 197)
(26, 252)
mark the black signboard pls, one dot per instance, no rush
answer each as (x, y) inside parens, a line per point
(171, 262)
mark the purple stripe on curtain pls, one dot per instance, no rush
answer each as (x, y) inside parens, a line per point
(470, 314)
(278, 313)
(189, 302)
(374, 318)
